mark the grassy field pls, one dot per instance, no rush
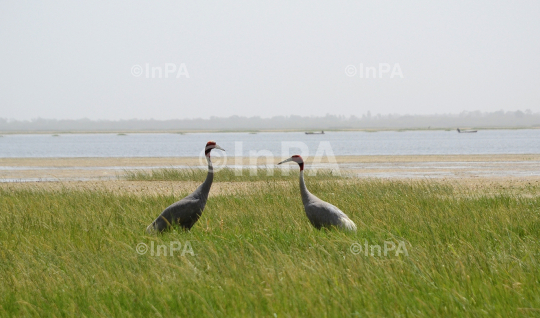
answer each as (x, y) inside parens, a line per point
(75, 252)
(225, 175)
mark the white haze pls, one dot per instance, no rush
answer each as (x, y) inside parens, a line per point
(73, 59)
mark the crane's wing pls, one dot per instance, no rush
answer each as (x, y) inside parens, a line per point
(184, 212)
(321, 214)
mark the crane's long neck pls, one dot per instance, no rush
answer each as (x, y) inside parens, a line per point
(303, 189)
(209, 177)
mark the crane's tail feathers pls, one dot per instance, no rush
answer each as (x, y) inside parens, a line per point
(151, 229)
(348, 225)
(159, 224)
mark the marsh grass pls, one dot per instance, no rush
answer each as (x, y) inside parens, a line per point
(223, 175)
(72, 253)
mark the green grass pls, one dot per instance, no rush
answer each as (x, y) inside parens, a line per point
(72, 253)
(223, 175)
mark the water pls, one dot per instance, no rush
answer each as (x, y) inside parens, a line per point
(342, 143)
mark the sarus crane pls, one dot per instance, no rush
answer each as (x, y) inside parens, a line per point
(187, 211)
(320, 213)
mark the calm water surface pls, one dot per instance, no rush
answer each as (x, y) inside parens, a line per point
(342, 143)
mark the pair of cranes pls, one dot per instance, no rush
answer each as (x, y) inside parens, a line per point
(187, 211)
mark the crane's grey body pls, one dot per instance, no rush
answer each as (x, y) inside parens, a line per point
(321, 213)
(187, 211)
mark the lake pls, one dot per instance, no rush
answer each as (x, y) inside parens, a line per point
(522, 141)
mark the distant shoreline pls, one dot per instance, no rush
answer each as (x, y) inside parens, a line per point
(63, 132)
(518, 166)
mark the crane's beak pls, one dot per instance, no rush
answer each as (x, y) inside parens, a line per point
(287, 160)
(218, 147)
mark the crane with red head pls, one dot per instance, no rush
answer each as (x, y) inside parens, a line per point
(320, 213)
(187, 211)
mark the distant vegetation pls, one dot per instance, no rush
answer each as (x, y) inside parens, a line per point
(251, 124)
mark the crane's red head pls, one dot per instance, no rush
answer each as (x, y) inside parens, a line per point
(211, 145)
(296, 158)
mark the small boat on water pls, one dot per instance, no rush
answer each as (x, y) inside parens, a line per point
(315, 133)
(466, 131)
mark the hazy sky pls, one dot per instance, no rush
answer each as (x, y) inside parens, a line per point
(75, 59)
